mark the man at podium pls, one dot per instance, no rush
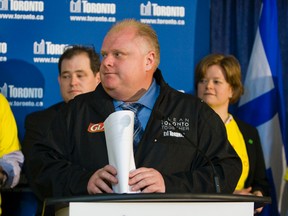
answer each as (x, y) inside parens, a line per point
(182, 144)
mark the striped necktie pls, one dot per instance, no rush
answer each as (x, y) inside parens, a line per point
(138, 129)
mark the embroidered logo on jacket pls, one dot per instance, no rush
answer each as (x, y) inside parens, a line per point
(95, 128)
(174, 127)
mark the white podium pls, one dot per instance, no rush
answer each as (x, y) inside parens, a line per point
(155, 205)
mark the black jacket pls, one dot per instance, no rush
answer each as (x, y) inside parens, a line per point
(71, 154)
(37, 125)
(257, 172)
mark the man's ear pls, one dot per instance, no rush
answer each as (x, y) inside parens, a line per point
(59, 80)
(150, 60)
(98, 79)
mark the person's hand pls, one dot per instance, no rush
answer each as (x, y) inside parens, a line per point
(245, 191)
(258, 193)
(101, 180)
(147, 180)
(248, 191)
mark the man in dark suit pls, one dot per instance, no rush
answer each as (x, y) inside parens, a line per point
(78, 73)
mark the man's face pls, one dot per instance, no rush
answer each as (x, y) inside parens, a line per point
(126, 65)
(77, 77)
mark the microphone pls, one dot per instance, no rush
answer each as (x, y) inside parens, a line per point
(160, 116)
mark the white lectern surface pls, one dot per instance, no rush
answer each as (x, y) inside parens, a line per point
(164, 209)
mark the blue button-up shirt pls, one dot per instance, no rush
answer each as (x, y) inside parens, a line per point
(147, 100)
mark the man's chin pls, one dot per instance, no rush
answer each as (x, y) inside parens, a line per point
(72, 95)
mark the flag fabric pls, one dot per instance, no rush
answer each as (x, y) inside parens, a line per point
(263, 105)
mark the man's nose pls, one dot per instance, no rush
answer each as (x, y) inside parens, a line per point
(74, 80)
(108, 60)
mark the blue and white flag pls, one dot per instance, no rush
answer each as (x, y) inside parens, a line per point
(263, 105)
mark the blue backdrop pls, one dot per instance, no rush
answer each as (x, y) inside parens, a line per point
(33, 34)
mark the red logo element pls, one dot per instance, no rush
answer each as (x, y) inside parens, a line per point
(95, 128)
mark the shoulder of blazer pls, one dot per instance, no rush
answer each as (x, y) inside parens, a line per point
(243, 125)
(46, 113)
(248, 131)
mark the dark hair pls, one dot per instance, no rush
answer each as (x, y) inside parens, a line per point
(73, 50)
(231, 69)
